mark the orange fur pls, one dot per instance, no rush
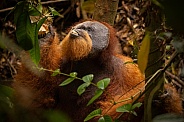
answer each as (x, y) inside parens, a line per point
(35, 88)
(76, 49)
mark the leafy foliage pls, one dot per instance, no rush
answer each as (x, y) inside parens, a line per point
(102, 84)
(98, 93)
(70, 79)
(129, 108)
(88, 78)
(82, 88)
(93, 114)
(27, 29)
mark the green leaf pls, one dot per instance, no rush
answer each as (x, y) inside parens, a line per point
(40, 22)
(136, 105)
(54, 12)
(93, 114)
(81, 89)
(5, 94)
(24, 31)
(101, 119)
(35, 51)
(105, 118)
(124, 108)
(102, 84)
(18, 10)
(157, 3)
(88, 78)
(6, 91)
(98, 93)
(35, 11)
(67, 81)
(39, 7)
(73, 74)
(56, 72)
(144, 52)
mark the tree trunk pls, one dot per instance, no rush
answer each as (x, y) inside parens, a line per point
(105, 10)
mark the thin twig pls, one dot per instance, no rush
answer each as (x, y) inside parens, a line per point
(46, 2)
(175, 78)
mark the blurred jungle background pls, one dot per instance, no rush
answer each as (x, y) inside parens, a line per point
(136, 22)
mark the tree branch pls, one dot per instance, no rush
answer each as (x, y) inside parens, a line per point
(46, 2)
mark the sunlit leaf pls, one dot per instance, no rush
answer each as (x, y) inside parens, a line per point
(124, 108)
(67, 81)
(136, 105)
(144, 52)
(35, 11)
(54, 12)
(88, 78)
(39, 7)
(102, 84)
(81, 89)
(98, 93)
(93, 114)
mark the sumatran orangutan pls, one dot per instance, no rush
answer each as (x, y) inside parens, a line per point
(90, 47)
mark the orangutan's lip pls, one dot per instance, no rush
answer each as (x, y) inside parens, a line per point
(74, 33)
